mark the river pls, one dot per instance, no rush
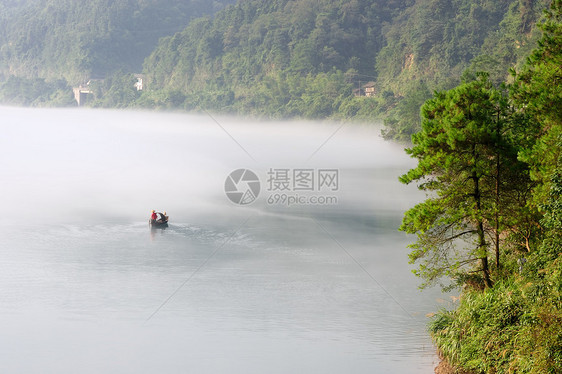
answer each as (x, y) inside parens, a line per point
(303, 271)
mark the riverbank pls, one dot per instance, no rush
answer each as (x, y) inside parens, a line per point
(445, 367)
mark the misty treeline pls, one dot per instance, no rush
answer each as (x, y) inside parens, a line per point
(489, 157)
(273, 58)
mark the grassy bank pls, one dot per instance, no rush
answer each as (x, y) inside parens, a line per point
(514, 327)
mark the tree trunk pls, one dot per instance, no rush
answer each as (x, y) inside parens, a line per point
(482, 251)
(497, 208)
(484, 258)
(497, 214)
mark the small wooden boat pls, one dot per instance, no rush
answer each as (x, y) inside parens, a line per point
(157, 223)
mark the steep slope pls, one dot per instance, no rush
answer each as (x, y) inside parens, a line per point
(431, 45)
(435, 40)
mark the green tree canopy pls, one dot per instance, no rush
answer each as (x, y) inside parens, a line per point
(466, 158)
(538, 89)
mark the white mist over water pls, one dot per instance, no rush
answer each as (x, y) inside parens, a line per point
(87, 287)
(69, 165)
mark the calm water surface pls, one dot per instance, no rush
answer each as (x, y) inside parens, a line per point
(87, 287)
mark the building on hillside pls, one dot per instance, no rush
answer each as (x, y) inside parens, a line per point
(82, 94)
(368, 89)
(139, 83)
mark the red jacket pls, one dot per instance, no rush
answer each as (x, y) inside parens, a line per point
(153, 216)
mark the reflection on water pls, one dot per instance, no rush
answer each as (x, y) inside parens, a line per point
(87, 286)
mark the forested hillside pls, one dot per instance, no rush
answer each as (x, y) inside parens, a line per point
(272, 57)
(72, 41)
(305, 58)
(352, 59)
(432, 44)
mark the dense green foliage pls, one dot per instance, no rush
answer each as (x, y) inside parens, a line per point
(516, 326)
(274, 58)
(434, 42)
(467, 152)
(78, 40)
(537, 88)
(511, 323)
(288, 58)
(436, 39)
(36, 92)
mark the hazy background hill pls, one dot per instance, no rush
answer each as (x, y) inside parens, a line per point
(76, 40)
(67, 42)
(361, 59)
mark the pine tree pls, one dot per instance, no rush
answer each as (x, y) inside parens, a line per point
(467, 160)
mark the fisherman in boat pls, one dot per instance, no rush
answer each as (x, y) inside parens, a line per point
(157, 218)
